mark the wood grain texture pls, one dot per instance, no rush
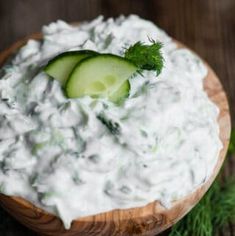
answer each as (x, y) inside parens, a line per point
(144, 221)
(206, 26)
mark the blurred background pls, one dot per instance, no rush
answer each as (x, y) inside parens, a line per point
(206, 26)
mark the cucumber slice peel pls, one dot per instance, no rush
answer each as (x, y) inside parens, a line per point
(104, 75)
(61, 66)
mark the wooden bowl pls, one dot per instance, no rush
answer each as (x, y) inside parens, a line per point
(147, 220)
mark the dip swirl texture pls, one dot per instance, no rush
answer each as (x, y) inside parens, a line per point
(77, 157)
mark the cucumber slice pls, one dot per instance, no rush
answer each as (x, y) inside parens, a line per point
(121, 93)
(61, 66)
(105, 75)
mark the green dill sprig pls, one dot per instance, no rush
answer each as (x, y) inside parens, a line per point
(198, 221)
(211, 214)
(146, 57)
(231, 148)
(224, 205)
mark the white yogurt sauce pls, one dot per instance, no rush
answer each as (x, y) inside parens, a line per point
(57, 153)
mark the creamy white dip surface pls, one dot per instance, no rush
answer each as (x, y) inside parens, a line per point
(162, 142)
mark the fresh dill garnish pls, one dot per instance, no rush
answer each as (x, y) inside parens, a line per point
(214, 211)
(146, 57)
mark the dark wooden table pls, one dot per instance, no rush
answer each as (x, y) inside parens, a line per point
(207, 26)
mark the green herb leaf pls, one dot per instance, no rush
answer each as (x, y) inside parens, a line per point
(224, 205)
(231, 148)
(111, 125)
(146, 57)
(198, 221)
(211, 214)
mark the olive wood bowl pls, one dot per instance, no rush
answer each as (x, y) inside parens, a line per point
(147, 220)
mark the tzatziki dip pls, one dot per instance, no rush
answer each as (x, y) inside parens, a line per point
(82, 156)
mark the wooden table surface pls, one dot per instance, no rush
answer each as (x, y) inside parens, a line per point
(206, 26)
